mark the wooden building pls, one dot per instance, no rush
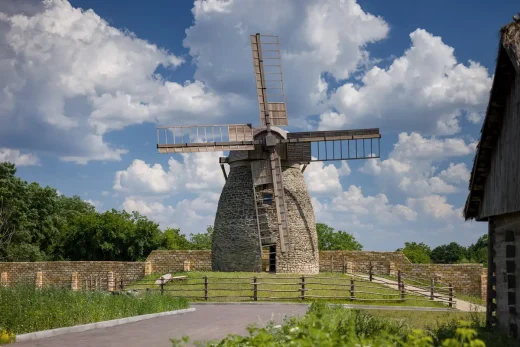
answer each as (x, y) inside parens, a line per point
(494, 188)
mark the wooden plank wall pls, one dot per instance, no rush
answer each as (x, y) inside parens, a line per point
(502, 188)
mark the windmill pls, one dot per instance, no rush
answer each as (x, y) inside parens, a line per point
(264, 206)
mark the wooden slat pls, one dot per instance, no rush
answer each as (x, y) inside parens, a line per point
(190, 148)
(502, 188)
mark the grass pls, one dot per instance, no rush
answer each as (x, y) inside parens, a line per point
(25, 309)
(337, 326)
(427, 320)
(237, 286)
(474, 299)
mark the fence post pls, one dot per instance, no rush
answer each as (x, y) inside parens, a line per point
(343, 263)
(206, 288)
(39, 279)
(147, 268)
(432, 288)
(400, 284)
(74, 285)
(370, 272)
(122, 285)
(331, 263)
(352, 289)
(255, 289)
(450, 299)
(111, 283)
(303, 288)
(162, 285)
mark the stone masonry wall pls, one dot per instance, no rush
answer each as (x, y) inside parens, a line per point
(173, 261)
(60, 273)
(236, 244)
(466, 278)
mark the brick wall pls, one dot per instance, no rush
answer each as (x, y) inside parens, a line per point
(361, 261)
(171, 261)
(466, 278)
(59, 273)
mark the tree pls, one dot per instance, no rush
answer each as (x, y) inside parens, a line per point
(202, 240)
(112, 235)
(478, 251)
(330, 240)
(13, 209)
(417, 253)
(448, 254)
(174, 240)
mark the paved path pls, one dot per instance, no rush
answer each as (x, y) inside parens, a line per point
(460, 305)
(207, 323)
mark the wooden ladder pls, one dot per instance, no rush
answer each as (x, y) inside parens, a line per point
(279, 200)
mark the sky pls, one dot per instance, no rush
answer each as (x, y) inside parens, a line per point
(84, 84)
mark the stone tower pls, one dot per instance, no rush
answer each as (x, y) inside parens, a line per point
(236, 241)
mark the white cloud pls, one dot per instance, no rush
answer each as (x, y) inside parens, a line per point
(150, 190)
(435, 206)
(329, 36)
(73, 78)
(16, 157)
(191, 216)
(424, 90)
(410, 166)
(417, 147)
(141, 177)
(198, 171)
(353, 201)
(456, 173)
(321, 178)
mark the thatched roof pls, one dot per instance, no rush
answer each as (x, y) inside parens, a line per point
(508, 64)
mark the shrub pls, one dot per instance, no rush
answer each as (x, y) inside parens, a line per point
(6, 336)
(325, 325)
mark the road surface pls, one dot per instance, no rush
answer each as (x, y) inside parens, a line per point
(208, 322)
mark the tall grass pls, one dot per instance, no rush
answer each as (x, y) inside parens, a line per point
(24, 308)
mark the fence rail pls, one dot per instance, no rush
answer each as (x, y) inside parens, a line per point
(349, 288)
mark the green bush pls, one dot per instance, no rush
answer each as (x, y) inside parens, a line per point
(325, 325)
(6, 336)
(26, 309)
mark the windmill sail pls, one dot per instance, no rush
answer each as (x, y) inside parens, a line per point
(333, 145)
(205, 138)
(267, 64)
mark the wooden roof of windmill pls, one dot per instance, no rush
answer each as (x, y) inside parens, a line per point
(507, 66)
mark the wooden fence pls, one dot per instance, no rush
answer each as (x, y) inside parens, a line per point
(345, 288)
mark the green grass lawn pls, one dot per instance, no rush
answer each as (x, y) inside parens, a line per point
(474, 299)
(237, 286)
(427, 320)
(24, 309)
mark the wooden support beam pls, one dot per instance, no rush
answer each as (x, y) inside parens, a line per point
(223, 171)
(491, 280)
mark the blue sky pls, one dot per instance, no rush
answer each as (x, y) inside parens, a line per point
(80, 102)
